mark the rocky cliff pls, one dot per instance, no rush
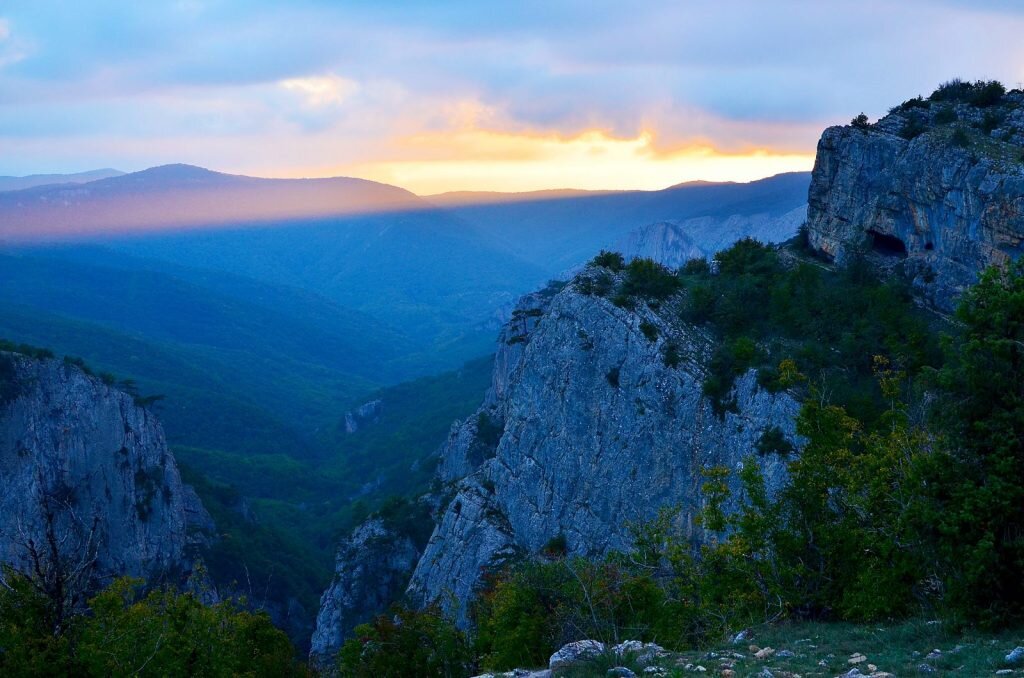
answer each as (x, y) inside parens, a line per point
(82, 464)
(372, 569)
(936, 187)
(596, 418)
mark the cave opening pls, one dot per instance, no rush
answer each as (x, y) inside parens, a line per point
(888, 245)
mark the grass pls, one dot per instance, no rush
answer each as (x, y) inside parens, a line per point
(825, 649)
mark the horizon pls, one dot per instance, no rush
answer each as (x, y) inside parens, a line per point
(439, 99)
(559, 190)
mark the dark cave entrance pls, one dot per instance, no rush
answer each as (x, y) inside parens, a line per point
(888, 245)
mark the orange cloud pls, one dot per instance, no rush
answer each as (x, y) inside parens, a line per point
(478, 159)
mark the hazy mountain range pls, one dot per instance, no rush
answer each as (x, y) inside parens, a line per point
(328, 287)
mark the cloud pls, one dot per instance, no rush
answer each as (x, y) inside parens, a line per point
(481, 159)
(317, 86)
(324, 90)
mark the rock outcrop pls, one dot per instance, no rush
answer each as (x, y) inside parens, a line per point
(365, 414)
(371, 571)
(673, 243)
(85, 467)
(936, 187)
(596, 418)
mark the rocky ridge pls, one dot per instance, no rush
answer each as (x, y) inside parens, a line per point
(588, 427)
(936, 187)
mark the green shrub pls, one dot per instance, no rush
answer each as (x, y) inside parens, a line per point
(980, 93)
(556, 547)
(774, 441)
(649, 330)
(406, 643)
(960, 138)
(698, 266)
(488, 430)
(530, 610)
(25, 349)
(861, 122)
(672, 357)
(991, 121)
(987, 93)
(910, 104)
(599, 285)
(945, 116)
(613, 261)
(913, 127)
(647, 279)
(130, 632)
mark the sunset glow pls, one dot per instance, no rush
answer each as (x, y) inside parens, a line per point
(472, 96)
(495, 161)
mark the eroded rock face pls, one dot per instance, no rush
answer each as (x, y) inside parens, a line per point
(943, 205)
(596, 431)
(85, 453)
(371, 570)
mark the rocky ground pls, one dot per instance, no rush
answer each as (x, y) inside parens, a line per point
(920, 648)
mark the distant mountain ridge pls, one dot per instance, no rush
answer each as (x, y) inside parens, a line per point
(184, 196)
(33, 180)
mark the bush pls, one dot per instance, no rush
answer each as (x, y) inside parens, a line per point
(649, 330)
(613, 261)
(987, 93)
(127, 632)
(672, 356)
(406, 643)
(945, 116)
(696, 267)
(960, 138)
(990, 122)
(774, 441)
(913, 127)
(647, 279)
(861, 122)
(530, 610)
(981, 93)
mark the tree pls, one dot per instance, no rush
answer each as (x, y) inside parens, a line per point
(56, 551)
(977, 509)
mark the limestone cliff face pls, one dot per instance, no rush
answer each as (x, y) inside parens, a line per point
(943, 204)
(85, 453)
(586, 429)
(371, 571)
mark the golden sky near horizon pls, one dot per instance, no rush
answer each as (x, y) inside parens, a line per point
(465, 95)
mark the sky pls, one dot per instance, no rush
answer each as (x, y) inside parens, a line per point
(439, 96)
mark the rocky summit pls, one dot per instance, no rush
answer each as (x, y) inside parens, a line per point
(595, 420)
(936, 186)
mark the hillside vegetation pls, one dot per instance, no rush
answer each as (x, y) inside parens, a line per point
(903, 502)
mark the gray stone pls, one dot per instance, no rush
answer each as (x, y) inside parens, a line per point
(362, 416)
(580, 456)
(953, 210)
(574, 653)
(371, 570)
(1015, 656)
(87, 454)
